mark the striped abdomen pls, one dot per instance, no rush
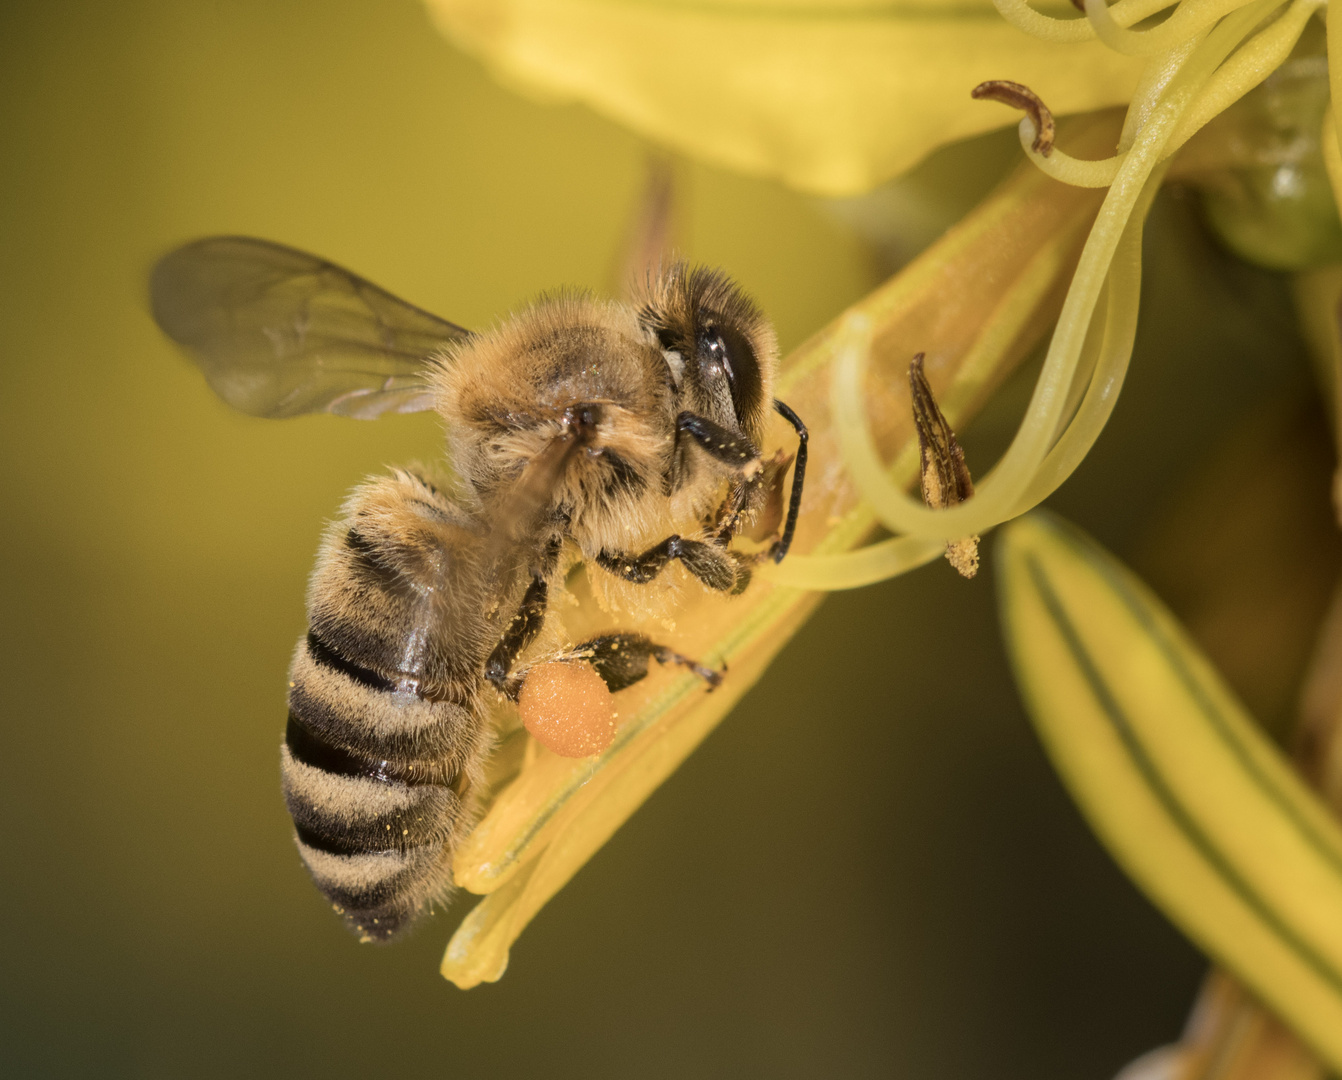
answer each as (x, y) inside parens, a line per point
(385, 735)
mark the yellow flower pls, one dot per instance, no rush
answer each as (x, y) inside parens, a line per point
(1011, 255)
(829, 97)
(835, 98)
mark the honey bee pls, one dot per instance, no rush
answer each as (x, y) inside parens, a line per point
(626, 435)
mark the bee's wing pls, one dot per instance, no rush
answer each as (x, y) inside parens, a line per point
(278, 332)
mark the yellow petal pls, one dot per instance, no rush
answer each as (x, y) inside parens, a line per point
(949, 302)
(1190, 797)
(829, 98)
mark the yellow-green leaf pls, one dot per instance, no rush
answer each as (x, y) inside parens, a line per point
(832, 98)
(1193, 801)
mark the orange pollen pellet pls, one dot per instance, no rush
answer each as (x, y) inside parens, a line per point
(568, 709)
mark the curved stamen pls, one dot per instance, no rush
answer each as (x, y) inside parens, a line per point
(1020, 96)
(1071, 31)
(1190, 18)
(1123, 291)
(1037, 131)
(1179, 92)
(1157, 74)
(855, 569)
(1250, 64)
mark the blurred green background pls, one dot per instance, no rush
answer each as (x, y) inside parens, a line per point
(869, 870)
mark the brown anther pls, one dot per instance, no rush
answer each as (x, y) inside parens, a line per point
(1021, 97)
(1080, 5)
(946, 479)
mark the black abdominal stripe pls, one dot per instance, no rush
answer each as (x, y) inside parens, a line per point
(373, 824)
(372, 765)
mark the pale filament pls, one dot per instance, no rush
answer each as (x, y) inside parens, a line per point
(1253, 62)
(1069, 31)
(1205, 56)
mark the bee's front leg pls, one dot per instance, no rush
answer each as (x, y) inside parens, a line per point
(716, 441)
(737, 450)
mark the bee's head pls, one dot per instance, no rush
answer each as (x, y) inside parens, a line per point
(721, 353)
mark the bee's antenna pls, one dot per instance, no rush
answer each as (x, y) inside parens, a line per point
(798, 478)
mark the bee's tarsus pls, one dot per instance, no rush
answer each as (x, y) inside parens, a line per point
(780, 549)
(622, 660)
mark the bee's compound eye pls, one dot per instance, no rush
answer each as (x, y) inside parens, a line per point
(717, 357)
(713, 348)
(568, 708)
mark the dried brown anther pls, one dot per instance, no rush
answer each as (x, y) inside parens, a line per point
(946, 479)
(1021, 97)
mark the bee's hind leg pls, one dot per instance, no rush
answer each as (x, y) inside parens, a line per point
(622, 660)
(522, 629)
(521, 632)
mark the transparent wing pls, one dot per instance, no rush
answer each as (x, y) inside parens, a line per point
(278, 332)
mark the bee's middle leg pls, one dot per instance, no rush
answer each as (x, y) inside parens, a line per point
(622, 659)
(710, 562)
(715, 566)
